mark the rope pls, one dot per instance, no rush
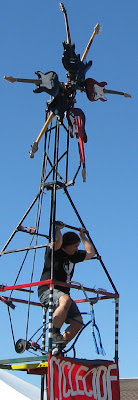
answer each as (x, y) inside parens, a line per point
(11, 326)
(100, 349)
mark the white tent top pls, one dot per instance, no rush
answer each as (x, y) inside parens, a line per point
(14, 388)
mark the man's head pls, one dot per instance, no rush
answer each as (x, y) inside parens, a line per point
(70, 242)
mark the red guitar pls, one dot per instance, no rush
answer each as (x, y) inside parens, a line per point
(95, 90)
(76, 120)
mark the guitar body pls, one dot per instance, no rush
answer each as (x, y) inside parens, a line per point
(76, 120)
(49, 83)
(76, 68)
(95, 90)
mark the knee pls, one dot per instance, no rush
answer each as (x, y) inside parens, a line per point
(65, 301)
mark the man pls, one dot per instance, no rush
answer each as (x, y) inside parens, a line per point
(66, 255)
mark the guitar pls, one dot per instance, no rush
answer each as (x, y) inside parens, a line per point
(47, 82)
(72, 116)
(66, 22)
(76, 120)
(95, 90)
(71, 61)
(97, 29)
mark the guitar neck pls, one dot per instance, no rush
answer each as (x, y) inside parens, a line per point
(36, 81)
(88, 46)
(12, 80)
(116, 92)
(67, 29)
(95, 32)
(66, 23)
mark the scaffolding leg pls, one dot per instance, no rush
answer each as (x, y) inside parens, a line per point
(43, 348)
(52, 233)
(116, 328)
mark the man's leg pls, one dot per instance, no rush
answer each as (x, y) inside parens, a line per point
(73, 328)
(61, 311)
(62, 303)
(68, 335)
(60, 315)
(72, 317)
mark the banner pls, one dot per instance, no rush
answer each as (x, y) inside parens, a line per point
(80, 379)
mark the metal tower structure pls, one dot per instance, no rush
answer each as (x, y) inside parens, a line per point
(52, 182)
(63, 121)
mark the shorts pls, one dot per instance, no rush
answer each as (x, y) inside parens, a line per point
(73, 311)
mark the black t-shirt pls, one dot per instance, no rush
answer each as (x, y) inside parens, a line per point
(63, 268)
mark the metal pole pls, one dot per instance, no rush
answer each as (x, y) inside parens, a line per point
(43, 348)
(67, 156)
(52, 231)
(116, 327)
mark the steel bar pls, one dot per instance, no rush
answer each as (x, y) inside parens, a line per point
(23, 249)
(24, 216)
(43, 348)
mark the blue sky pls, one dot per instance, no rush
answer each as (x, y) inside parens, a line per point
(31, 40)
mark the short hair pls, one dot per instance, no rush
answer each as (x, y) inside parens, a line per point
(70, 238)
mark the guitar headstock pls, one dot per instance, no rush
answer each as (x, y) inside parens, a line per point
(10, 79)
(62, 8)
(127, 95)
(97, 29)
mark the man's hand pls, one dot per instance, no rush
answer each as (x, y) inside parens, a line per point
(90, 250)
(59, 224)
(82, 232)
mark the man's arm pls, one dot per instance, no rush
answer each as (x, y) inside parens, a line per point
(58, 236)
(90, 251)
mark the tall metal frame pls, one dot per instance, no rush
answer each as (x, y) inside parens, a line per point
(59, 183)
(76, 81)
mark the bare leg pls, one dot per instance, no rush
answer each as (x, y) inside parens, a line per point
(73, 329)
(61, 311)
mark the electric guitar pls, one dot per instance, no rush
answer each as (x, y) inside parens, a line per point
(72, 116)
(47, 82)
(96, 91)
(76, 120)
